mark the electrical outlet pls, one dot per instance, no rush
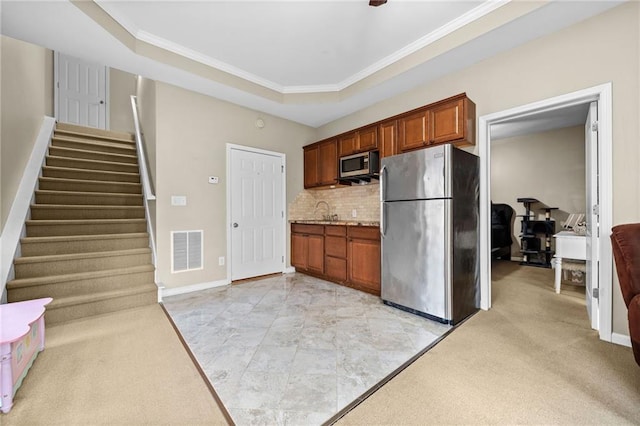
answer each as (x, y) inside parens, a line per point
(213, 179)
(354, 213)
(221, 261)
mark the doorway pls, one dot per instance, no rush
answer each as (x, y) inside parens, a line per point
(255, 209)
(602, 96)
(81, 90)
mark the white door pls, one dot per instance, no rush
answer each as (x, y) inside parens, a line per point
(592, 214)
(257, 215)
(81, 92)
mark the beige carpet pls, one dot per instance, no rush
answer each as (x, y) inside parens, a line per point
(127, 368)
(531, 359)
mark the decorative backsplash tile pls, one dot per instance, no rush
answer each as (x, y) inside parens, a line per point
(365, 199)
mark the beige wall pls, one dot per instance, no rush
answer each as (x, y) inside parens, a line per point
(191, 138)
(27, 75)
(121, 86)
(146, 101)
(599, 50)
(549, 166)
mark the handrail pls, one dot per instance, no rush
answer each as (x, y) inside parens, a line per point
(144, 176)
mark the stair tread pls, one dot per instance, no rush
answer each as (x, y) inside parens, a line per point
(80, 221)
(84, 255)
(59, 168)
(114, 136)
(90, 161)
(100, 182)
(62, 238)
(85, 207)
(127, 145)
(64, 148)
(61, 302)
(86, 193)
(33, 281)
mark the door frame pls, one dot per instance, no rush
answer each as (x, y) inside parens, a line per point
(56, 90)
(603, 95)
(283, 158)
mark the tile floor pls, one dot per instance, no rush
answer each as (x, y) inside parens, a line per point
(293, 349)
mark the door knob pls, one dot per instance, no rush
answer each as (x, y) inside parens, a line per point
(235, 225)
(101, 102)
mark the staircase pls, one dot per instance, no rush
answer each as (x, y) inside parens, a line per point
(86, 243)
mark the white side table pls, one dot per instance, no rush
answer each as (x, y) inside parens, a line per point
(569, 245)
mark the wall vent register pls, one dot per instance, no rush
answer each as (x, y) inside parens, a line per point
(186, 251)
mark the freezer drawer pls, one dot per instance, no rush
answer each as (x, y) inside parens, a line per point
(415, 251)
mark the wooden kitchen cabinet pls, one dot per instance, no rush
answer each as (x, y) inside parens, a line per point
(364, 258)
(413, 131)
(307, 247)
(453, 121)
(321, 164)
(388, 138)
(335, 260)
(358, 141)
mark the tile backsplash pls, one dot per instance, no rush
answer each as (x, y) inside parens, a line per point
(365, 199)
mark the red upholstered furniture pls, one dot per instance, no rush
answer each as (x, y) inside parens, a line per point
(626, 252)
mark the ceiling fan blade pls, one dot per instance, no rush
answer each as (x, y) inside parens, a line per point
(377, 3)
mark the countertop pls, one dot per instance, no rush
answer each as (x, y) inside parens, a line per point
(337, 222)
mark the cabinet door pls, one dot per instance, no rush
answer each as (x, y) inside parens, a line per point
(413, 131)
(328, 163)
(447, 122)
(388, 138)
(336, 268)
(364, 264)
(315, 259)
(348, 144)
(311, 166)
(299, 249)
(368, 139)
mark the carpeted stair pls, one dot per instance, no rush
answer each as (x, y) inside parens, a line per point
(86, 243)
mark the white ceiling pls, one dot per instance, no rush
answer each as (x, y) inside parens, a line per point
(308, 61)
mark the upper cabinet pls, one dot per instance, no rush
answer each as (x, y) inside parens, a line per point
(413, 131)
(388, 138)
(358, 141)
(453, 121)
(321, 164)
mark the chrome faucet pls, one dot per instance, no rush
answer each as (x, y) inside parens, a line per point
(328, 215)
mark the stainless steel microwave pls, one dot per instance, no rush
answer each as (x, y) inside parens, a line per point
(364, 164)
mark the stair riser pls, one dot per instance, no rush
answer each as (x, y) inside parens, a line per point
(75, 163)
(84, 199)
(85, 229)
(75, 266)
(55, 315)
(83, 246)
(59, 213)
(112, 148)
(89, 175)
(91, 155)
(113, 187)
(79, 287)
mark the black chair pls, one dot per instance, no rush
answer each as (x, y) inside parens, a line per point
(501, 239)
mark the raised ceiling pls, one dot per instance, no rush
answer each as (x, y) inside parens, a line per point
(308, 61)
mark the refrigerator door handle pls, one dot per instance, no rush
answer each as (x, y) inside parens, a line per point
(383, 227)
(383, 192)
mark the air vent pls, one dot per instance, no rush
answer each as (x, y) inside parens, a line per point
(186, 249)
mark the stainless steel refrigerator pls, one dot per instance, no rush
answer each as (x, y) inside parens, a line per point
(430, 231)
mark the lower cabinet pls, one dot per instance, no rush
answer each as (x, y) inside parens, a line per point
(347, 255)
(307, 248)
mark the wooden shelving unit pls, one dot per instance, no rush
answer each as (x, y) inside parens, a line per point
(536, 235)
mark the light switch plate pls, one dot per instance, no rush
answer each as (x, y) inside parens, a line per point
(178, 200)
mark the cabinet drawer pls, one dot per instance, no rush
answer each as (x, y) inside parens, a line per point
(303, 228)
(337, 230)
(364, 232)
(336, 268)
(335, 246)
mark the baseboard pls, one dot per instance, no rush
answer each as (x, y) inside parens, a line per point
(192, 288)
(289, 270)
(621, 339)
(19, 211)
